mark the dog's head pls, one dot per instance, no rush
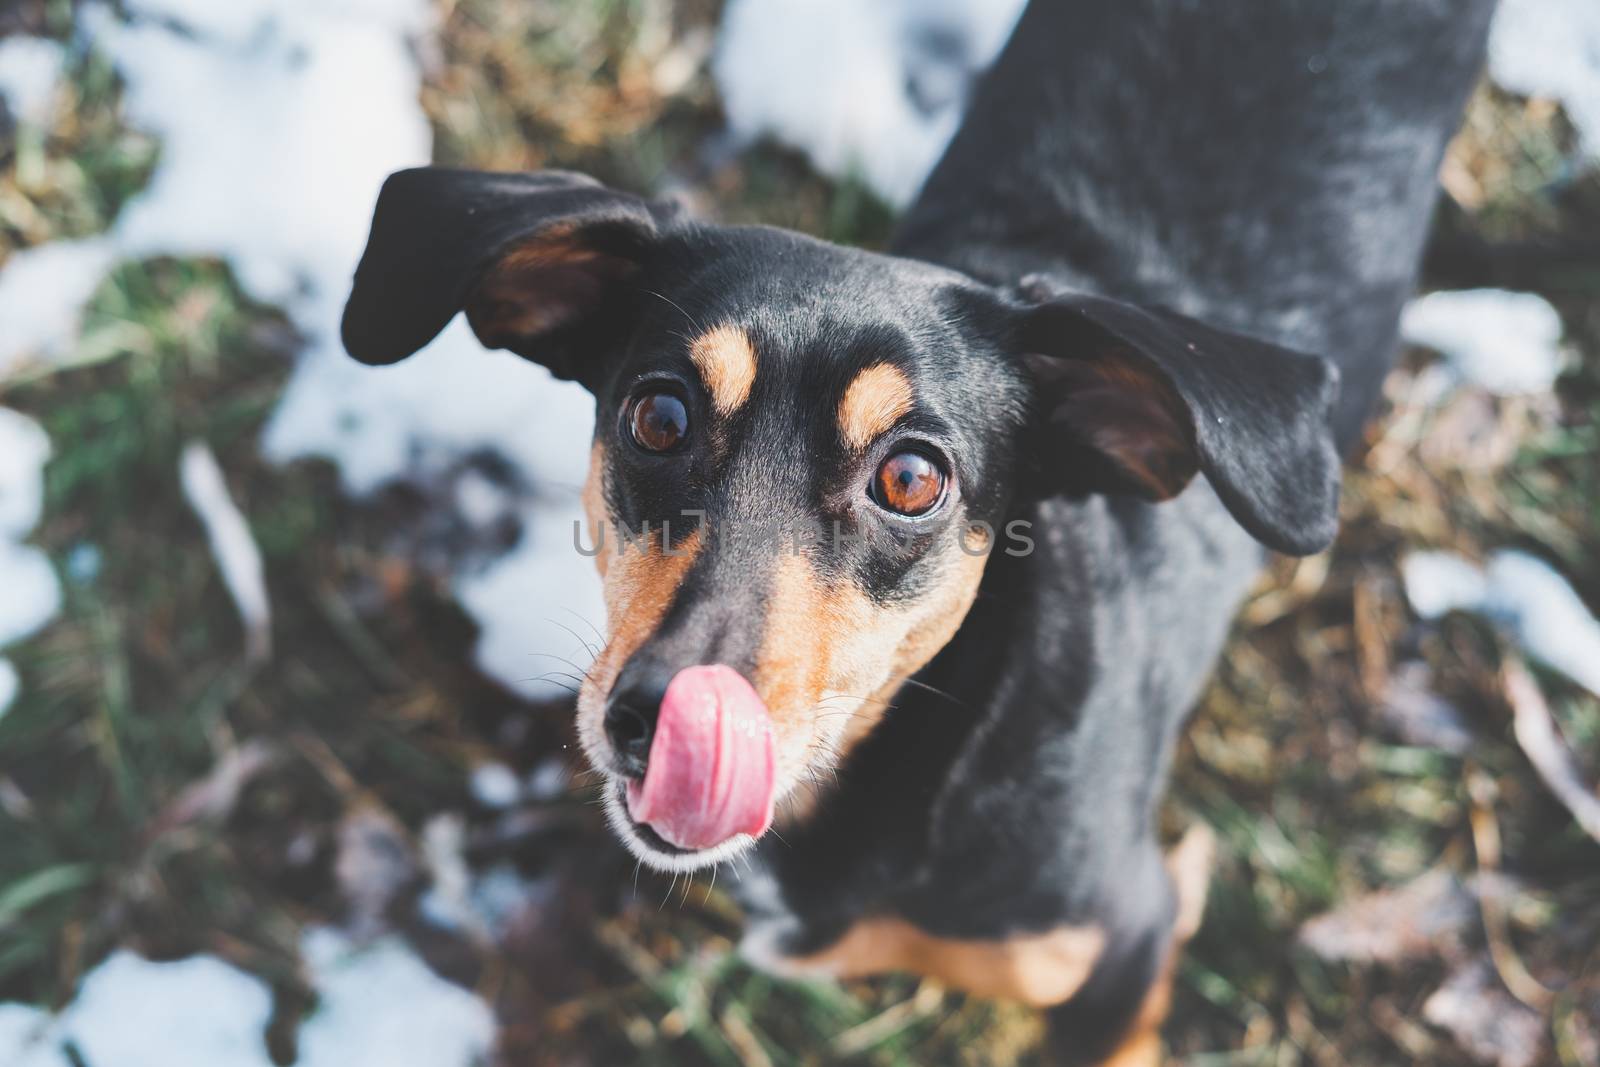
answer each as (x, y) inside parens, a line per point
(804, 455)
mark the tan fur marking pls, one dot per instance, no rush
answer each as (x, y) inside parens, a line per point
(832, 659)
(1189, 866)
(793, 663)
(726, 361)
(1143, 1050)
(1039, 970)
(595, 513)
(909, 640)
(512, 300)
(639, 586)
(879, 397)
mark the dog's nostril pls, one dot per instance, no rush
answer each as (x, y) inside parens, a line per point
(629, 733)
(630, 720)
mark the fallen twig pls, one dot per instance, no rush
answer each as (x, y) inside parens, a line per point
(1486, 842)
(232, 545)
(1540, 740)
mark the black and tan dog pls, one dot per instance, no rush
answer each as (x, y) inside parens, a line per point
(960, 698)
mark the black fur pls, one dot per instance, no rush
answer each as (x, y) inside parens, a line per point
(1265, 170)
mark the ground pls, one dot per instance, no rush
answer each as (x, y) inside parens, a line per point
(119, 830)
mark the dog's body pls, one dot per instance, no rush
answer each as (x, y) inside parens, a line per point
(1264, 168)
(1268, 171)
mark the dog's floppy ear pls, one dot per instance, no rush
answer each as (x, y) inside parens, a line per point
(1137, 400)
(533, 259)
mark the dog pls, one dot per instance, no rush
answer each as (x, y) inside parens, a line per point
(1040, 447)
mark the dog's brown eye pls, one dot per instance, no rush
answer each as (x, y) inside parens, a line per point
(659, 422)
(908, 483)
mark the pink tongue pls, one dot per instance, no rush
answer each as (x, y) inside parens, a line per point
(711, 764)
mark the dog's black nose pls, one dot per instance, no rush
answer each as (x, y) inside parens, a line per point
(631, 714)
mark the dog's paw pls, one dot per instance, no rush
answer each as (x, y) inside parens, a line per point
(768, 945)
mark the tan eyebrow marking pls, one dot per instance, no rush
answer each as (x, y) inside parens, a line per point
(726, 361)
(879, 397)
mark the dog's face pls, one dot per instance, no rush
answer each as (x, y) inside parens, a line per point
(803, 458)
(796, 451)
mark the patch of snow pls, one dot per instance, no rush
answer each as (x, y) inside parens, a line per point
(502, 895)
(479, 500)
(278, 121)
(548, 780)
(1508, 343)
(1551, 49)
(10, 685)
(889, 96)
(83, 563)
(42, 293)
(28, 1039)
(374, 865)
(446, 902)
(1523, 595)
(232, 544)
(1545, 616)
(451, 399)
(380, 1006)
(546, 595)
(196, 1012)
(30, 70)
(494, 785)
(1438, 583)
(24, 449)
(32, 593)
(484, 907)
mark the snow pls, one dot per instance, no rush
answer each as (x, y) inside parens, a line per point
(42, 293)
(551, 593)
(1522, 594)
(33, 595)
(32, 592)
(382, 1007)
(889, 96)
(197, 1012)
(484, 907)
(25, 1038)
(232, 544)
(30, 69)
(494, 785)
(1551, 49)
(278, 120)
(24, 448)
(10, 684)
(378, 1006)
(1507, 343)
(1438, 583)
(1545, 616)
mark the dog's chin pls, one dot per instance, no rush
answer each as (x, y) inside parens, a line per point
(655, 852)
